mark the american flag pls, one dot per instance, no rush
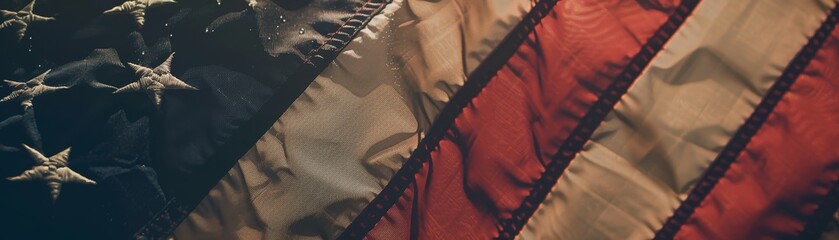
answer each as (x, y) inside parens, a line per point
(419, 119)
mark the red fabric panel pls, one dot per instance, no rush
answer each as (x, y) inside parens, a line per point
(787, 169)
(496, 149)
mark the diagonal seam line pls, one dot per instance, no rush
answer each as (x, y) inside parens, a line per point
(744, 134)
(819, 221)
(595, 115)
(479, 78)
(165, 221)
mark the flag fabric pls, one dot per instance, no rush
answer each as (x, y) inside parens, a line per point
(417, 119)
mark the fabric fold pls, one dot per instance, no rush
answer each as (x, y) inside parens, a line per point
(779, 184)
(494, 153)
(340, 142)
(677, 116)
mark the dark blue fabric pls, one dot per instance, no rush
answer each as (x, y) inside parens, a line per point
(143, 158)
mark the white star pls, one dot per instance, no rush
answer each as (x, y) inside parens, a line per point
(26, 91)
(52, 170)
(137, 8)
(252, 3)
(155, 81)
(21, 19)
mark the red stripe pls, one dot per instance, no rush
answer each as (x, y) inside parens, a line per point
(497, 148)
(787, 169)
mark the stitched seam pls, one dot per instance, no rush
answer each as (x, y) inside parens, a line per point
(344, 40)
(164, 222)
(595, 115)
(744, 134)
(379, 206)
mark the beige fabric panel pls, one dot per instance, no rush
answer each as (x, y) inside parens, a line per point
(339, 143)
(647, 154)
(226, 210)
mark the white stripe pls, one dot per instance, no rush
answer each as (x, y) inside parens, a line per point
(647, 154)
(338, 144)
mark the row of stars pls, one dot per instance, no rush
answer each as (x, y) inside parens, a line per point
(21, 19)
(54, 170)
(136, 8)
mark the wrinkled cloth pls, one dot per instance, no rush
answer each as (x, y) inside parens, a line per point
(141, 157)
(663, 134)
(776, 186)
(340, 142)
(495, 150)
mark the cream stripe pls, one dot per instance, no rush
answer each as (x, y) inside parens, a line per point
(662, 135)
(338, 144)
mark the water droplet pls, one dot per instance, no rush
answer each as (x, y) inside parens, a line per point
(206, 30)
(166, 25)
(39, 65)
(301, 31)
(282, 19)
(143, 53)
(219, 2)
(170, 35)
(269, 38)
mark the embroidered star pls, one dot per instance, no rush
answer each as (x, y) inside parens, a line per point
(137, 8)
(21, 19)
(155, 81)
(26, 91)
(52, 170)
